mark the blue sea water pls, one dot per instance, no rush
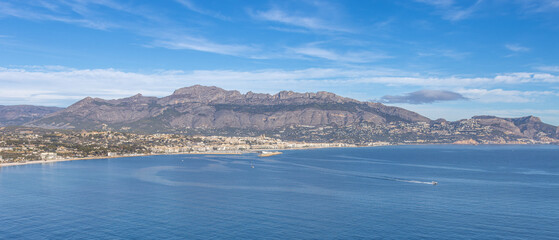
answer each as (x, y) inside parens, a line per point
(484, 192)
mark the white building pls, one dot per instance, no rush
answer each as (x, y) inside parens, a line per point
(48, 156)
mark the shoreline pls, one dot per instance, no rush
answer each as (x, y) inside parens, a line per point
(234, 153)
(160, 154)
(109, 157)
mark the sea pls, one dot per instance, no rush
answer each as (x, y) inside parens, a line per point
(482, 192)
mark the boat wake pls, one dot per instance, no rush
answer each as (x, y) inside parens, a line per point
(401, 180)
(362, 175)
(420, 182)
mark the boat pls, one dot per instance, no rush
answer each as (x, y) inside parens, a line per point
(267, 154)
(434, 183)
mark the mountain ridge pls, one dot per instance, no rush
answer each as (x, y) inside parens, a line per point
(311, 116)
(212, 107)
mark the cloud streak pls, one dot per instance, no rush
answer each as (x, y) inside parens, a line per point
(139, 21)
(517, 48)
(449, 10)
(351, 56)
(70, 12)
(204, 45)
(193, 7)
(423, 97)
(311, 23)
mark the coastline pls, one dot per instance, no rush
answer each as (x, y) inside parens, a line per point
(237, 153)
(109, 157)
(164, 154)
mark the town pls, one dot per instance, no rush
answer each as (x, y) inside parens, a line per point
(22, 144)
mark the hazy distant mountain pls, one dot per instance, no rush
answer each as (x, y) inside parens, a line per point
(215, 108)
(529, 126)
(20, 114)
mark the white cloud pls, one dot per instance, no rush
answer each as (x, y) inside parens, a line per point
(526, 77)
(58, 85)
(517, 48)
(504, 96)
(548, 68)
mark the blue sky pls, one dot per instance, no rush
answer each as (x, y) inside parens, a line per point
(442, 58)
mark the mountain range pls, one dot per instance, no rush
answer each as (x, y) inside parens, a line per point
(320, 116)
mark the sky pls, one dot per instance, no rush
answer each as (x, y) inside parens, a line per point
(441, 58)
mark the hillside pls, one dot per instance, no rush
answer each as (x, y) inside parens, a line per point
(21, 114)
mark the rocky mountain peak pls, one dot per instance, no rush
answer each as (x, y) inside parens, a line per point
(204, 94)
(320, 96)
(84, 102)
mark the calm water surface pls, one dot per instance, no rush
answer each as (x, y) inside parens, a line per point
(484, 192)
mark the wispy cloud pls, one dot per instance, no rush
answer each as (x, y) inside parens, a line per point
(538, 6)
(204, 45)
(350, 56)
(84, 13)
(444, 53)
(517, 48)
(438, 3)
(450, 10)
(193, 7)
(303, 21)
(423, 96)
(71, 12)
